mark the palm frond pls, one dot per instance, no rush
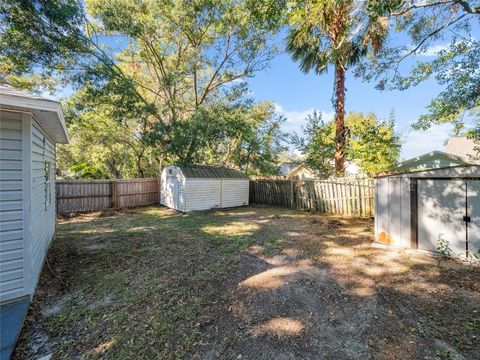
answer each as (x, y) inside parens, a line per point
(307, 50)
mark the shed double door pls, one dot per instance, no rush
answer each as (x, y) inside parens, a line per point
(449, 209)
(171, 197)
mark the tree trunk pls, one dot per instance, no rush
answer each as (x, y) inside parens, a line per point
(140, 171)
(161, 158)
(340, 133)
(111, 164)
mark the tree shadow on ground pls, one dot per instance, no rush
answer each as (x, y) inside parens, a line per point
(259, 282)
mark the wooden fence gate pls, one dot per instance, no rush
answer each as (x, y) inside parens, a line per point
(91, 195)
(342, 196)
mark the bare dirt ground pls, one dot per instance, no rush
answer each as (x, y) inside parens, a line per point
(246, 283)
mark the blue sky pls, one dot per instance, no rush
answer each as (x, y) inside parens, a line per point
(297, 94)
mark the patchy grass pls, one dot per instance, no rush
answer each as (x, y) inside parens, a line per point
(254, 282)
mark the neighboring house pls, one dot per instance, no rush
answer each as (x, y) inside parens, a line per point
(302, 172)
(286, 168)
(463, 147)
(203, 187)
(432, 160)
(30, 126)
(352, 169)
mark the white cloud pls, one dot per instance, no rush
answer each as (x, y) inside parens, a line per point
(297, 118)
(433, 50)
(415, 143)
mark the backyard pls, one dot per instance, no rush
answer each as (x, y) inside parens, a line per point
(246, 283)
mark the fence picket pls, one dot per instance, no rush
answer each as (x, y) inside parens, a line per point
(342, 196)
(92, 195)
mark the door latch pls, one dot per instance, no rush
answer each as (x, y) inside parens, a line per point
(466, 218)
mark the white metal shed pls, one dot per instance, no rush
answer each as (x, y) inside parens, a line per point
(203, 187)
(416, 209)
(30, 127)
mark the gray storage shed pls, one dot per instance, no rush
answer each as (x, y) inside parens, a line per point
(416, 209)
(30, 127)
(191, 188)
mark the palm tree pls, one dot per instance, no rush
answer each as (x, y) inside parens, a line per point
(336, 33)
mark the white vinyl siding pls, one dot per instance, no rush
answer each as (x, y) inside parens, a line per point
(43, 210)
(234, 192)
(181, 203)
(186, 193)
(202, 194)
(12, 272)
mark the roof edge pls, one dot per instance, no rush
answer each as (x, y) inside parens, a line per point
(37, 106)
(424, 170)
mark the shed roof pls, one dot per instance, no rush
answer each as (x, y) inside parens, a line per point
(204, 171)
(48, 112)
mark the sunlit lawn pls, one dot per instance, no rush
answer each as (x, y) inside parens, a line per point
(254, 282)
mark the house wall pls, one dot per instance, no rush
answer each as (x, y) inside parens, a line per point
(440, 162)
(42, 198)
(12, 247)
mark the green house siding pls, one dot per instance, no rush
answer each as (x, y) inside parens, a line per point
(433, 160)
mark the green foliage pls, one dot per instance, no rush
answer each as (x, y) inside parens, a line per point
(239, 134)
(455, 67)
(443, 246)
(242, 135)
(84, 171)
(457, 70)
(474, 134)
(40, 39)
(373, 144)
(114, 146)
(335, 33)
(157, 81)
(318, 145)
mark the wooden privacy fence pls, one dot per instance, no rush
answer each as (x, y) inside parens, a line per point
(91, 195)
(342, 196)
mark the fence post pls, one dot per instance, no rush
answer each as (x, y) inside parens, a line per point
(355, 195)
(114, 185)
(159, 188)
(292, 198)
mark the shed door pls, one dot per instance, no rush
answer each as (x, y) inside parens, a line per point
(441, 211)
(171, 199)
(473, 202)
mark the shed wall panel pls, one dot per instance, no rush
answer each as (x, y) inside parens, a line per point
(394, 210)
(235, 192)
(12, 269)
(382, 213)
(202, 194)
(473, 192)
(404, 216)
(441, 207)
